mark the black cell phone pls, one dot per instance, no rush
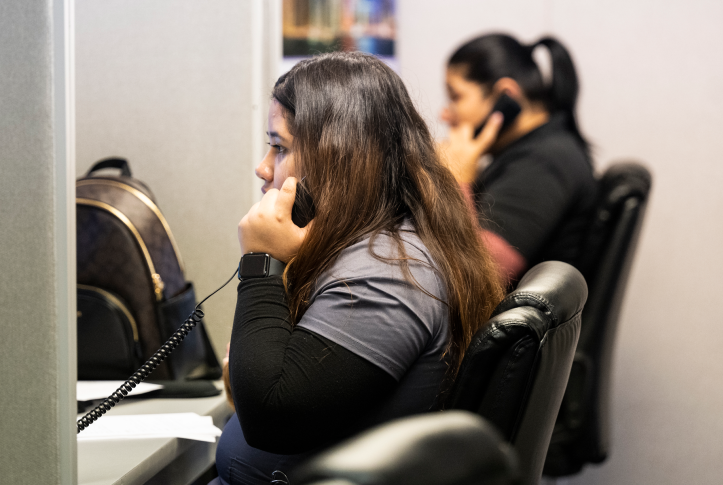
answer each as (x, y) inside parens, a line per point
(509, 109)
(303, 210)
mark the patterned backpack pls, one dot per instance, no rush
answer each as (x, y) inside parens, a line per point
(132, 293)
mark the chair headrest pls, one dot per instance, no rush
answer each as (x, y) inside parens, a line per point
(417, 450)
(623, 180)
(553, 287)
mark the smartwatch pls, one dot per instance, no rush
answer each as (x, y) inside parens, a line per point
(259, 265)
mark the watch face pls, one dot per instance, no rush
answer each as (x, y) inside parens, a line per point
(253, 265)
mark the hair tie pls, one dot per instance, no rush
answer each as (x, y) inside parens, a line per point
(543, 60)
(534, 45)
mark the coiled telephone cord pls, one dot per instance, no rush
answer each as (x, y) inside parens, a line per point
(145, 370)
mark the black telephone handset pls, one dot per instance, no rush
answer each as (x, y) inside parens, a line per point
(304, 209)
(302, 213)
(509, 109)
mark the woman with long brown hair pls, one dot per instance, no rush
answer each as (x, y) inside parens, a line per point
(363, 315)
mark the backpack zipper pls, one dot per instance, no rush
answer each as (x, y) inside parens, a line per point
(147, 201)
(156, 280)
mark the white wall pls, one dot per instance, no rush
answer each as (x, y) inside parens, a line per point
(179, 88)
(651, 75)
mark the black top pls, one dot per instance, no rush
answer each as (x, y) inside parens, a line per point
(538, 194)
(370, 348)
(295, 390)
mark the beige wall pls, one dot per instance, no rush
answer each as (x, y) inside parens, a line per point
(178, 87)
(651, 75)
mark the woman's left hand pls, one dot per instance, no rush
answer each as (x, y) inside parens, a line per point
(267, 227)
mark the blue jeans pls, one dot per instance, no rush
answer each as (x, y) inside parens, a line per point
(240, 464)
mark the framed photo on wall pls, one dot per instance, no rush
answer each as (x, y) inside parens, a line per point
(315, 26)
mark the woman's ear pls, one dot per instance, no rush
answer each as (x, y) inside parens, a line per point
(510, 87)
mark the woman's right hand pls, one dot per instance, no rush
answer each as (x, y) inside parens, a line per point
(461, 151)
(268, 228)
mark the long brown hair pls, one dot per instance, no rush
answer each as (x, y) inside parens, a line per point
(369, 162)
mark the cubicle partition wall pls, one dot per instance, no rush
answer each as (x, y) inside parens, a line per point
(37, 243)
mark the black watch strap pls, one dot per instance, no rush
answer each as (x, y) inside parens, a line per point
(259, 265)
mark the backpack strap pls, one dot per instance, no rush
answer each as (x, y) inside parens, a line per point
(112, 162)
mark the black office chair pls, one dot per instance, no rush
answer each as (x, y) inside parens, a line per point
(444, 448)
(582, 431)
(515, 371)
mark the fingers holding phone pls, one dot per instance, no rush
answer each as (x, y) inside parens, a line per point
(486, 136)
(268, 226)
(508, 107)
(462, 150)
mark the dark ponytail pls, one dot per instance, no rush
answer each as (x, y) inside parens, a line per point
(563, 90)
(490, 57)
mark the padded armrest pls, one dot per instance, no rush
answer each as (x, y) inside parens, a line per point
(547, 282)
(443, 448)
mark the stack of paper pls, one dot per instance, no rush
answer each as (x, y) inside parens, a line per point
(92, 390)
(138, 426)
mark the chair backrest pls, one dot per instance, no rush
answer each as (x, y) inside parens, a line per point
(515, 371)
(448, 448)
(582, 432)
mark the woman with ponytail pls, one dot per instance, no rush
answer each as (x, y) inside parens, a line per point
(533, 200)
(380, 294)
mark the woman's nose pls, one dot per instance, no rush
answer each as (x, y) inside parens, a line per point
(446, 115)
(264, 172)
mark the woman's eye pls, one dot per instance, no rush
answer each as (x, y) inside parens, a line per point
(278, 148)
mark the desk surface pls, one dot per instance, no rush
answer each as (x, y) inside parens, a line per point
(158, 460)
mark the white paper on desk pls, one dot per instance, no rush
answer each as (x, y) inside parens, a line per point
(140, 426)
(90, 390)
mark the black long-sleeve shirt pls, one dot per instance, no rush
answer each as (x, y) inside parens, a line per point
(370, 348)
(538, 194)
(295, 390)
